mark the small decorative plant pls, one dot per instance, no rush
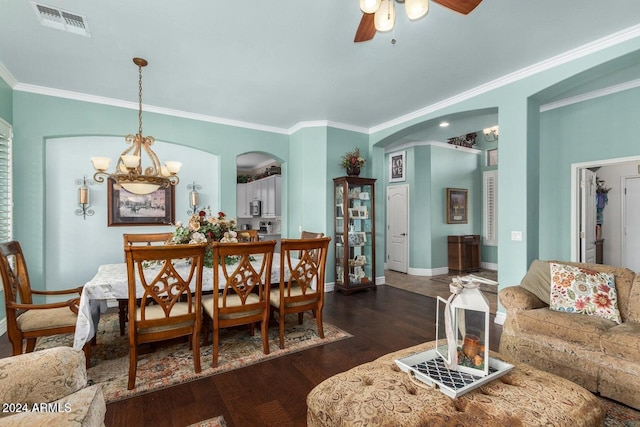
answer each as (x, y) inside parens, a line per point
(352, 159)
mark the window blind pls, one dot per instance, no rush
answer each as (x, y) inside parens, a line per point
(490, 207)
(6, 183)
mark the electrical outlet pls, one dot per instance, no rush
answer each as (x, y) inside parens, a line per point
(299, 229)
(516, 236)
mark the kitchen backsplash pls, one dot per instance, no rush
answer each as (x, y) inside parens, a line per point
(254, 223)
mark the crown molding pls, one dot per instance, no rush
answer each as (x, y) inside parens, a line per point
(582, 51)
(7, 76)
(326, 123)
(621, 87)
(77, 96)
(403, 146)
(571, 55)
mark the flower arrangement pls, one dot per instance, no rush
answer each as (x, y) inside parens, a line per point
(352, 159)
(203, 227)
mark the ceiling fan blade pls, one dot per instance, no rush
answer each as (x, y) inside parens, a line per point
(366, 30)
(462, 6)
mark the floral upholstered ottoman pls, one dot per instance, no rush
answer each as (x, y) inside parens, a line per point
(379, 393)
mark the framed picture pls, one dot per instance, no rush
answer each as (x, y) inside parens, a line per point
(125, 208)
(456, 205)
(397, 166)
(357, 238)
(363, 213)
(354, 213)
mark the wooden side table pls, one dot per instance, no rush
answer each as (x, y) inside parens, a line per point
(464, 253)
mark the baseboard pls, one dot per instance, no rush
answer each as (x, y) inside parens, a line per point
(428, 271)
(489, 266)
(500, 318)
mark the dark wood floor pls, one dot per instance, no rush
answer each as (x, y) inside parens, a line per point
(274, 392)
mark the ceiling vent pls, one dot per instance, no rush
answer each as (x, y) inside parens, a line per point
(61, 19)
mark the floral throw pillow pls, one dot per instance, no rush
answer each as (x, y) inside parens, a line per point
(583, 291)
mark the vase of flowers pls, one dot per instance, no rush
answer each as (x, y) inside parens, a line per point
(203, 227)
(352, 162)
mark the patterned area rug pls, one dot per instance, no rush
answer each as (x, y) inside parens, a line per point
(211, 422)
(618, 415)
(169, 364)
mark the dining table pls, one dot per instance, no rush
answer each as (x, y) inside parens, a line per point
(111, 283)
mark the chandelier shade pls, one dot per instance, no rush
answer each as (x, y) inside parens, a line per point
(369, 6)
(385, 17)
(130, 173)
(416, 9)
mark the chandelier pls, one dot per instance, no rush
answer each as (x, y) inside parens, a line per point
(129, 168)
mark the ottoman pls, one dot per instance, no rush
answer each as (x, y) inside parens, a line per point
(379, 393)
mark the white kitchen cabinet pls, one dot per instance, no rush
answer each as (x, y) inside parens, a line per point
(271, 202)
(267, 190)
(242, 201)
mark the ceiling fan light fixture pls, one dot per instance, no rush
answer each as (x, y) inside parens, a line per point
(369, 6)
(385, 17)
(416, 9)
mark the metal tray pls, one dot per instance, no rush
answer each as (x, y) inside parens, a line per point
(429, 368)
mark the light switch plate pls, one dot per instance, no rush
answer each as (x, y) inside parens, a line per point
(516, 236)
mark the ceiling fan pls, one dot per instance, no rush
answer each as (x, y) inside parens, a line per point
(380, 15)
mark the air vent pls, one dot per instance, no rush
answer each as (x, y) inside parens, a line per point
(61, 19)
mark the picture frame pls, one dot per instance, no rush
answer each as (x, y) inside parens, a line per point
(457, 206)
(127, 209)
(363, 213)
(357, 238)
(397, 166)
(354, 213)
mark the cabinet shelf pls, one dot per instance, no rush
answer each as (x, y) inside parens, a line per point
(354, 238)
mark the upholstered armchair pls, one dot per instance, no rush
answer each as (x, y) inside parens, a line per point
(49, 388)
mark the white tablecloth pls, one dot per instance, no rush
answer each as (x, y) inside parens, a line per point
(111, 283)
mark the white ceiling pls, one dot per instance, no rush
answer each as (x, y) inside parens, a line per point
(278, 63)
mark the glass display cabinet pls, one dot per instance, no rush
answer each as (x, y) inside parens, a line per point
(354, 240)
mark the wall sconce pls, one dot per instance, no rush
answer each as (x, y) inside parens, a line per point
(84, 199)
(194, 198)
(491, 134)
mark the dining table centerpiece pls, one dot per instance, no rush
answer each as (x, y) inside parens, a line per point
(204, 227)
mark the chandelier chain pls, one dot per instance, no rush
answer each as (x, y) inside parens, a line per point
(140, 100)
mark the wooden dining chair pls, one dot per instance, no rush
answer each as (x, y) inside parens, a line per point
(248, 236)
(243, 280)
(304, 261)
(310, 235)
(27, 320)
(171, 297)
(146, 239)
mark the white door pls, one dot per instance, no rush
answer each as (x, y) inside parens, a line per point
(397, 227)
(631, 225)
(587, 216)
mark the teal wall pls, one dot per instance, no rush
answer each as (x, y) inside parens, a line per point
(38, 117)
(6, 102)
(536, 150)
(524, 171)
(602, 128)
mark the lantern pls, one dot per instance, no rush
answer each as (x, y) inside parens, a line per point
(466, 329)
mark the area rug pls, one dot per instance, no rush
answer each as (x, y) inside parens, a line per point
(617, 415)
(211, 422)
(166, 365)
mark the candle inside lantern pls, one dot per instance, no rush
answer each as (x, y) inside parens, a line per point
(83, 195)
(194, 198)
(471, 345)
